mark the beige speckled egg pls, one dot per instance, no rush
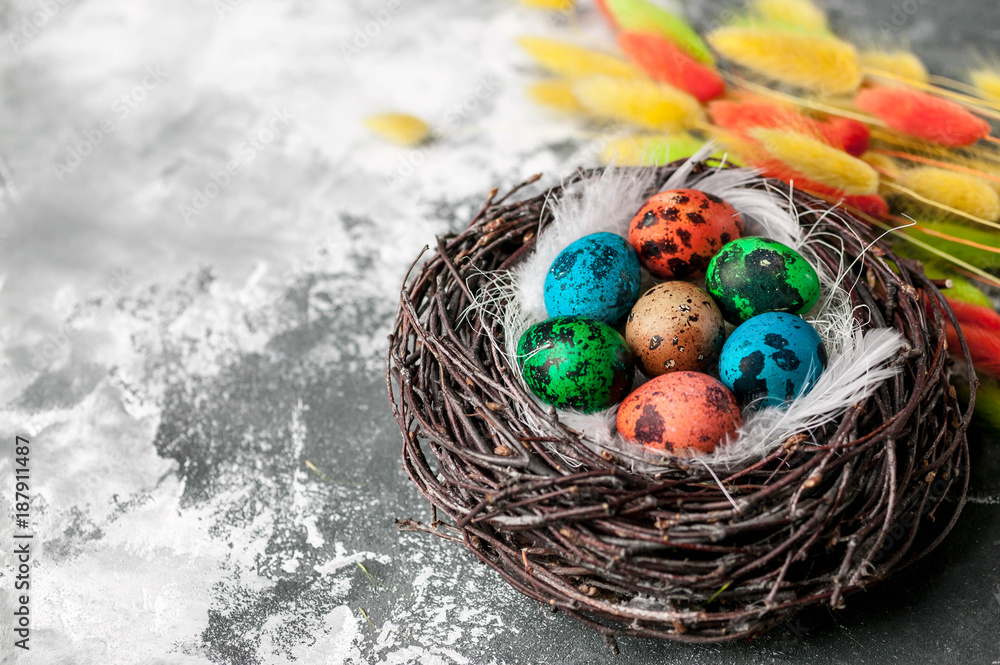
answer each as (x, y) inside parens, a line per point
(675, 326)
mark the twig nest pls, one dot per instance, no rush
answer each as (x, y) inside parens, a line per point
(695, 552)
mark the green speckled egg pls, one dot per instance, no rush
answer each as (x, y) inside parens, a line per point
(752, 276)
(575, 363)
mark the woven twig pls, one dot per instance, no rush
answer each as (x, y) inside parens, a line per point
(668, 555)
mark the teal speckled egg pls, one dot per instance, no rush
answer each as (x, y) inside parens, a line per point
(575, 363)
(752, 276)
(597, 277)
(774, 356)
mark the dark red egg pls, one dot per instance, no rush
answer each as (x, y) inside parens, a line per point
(677, 232)
(683, 413)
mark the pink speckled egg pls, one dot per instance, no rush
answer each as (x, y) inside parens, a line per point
(683, 413)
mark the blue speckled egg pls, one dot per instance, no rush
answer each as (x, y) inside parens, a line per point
(774, 356)
(596, 277)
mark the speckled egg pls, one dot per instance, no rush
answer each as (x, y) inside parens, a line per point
(675, 326)
(575, 363)
(752, 276)
(597, 277)
(774, 357)
(677, 232)
(684, 413)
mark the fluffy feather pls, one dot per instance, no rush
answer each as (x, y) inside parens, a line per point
(822, 64)
(557, 94)
(665, 61)
(651, 149)
(802, 14)
(640, 102)
(923, 115)
(643, 15)
(956, 190)
(819, 162)
(900, 63)
(568, 59)
(401, 128)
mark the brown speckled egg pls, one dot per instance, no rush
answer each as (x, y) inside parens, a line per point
(677, 232)
(683, 413)
(673, 327)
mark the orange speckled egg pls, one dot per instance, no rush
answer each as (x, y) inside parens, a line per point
(683, 413)
(677, 232)
(674, 327)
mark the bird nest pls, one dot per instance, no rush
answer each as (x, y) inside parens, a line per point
(674, 551)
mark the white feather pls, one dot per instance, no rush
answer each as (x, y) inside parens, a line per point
(858, 361)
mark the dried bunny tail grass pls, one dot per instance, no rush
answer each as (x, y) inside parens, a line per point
(960, 191)
(740, 116)
(972, 244)
(819, 161)
(643, 15)
(923, 115)
(986, 81)
(798, 13)
(665, 61)
(822, 64)
(605, 202)
(640, 102)
(896, 62)
(556, 93)
(552, 5)
(401, 128)
(651, 149)
(567, 59)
